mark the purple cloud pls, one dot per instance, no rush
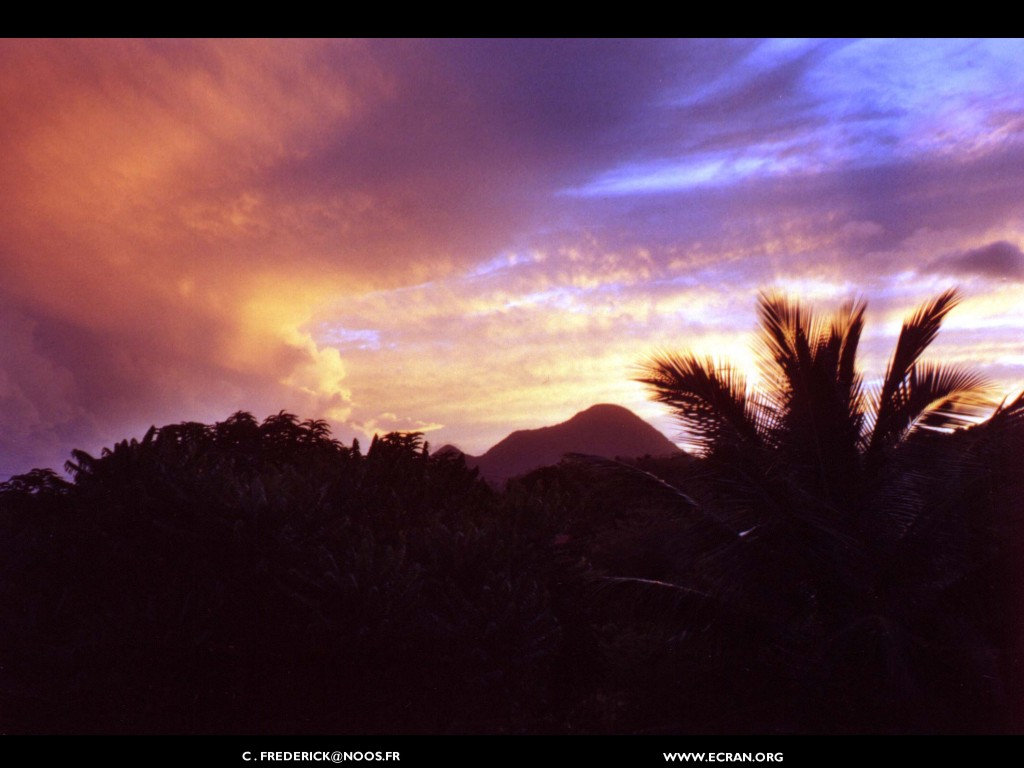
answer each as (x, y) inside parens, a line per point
(1000, 260)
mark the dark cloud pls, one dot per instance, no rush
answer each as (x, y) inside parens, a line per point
(468, 142)
(572, 101)
(66, 385)
(1000, 260)
(763, 103)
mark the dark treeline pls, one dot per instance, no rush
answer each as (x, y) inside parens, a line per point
(827, 563)
(248, 577)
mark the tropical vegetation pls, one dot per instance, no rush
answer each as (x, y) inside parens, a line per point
(836, 555)
(842, 545)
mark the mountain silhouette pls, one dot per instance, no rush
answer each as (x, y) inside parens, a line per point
(601, 430)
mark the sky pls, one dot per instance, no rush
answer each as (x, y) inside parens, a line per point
(471, 237)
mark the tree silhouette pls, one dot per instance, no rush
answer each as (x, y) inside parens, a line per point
(829, 526)
(254, 576)
(814, 415)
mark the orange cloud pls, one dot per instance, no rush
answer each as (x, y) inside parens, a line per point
(392, 233)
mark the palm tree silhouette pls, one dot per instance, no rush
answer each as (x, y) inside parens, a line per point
(827, 524)
(814, 417)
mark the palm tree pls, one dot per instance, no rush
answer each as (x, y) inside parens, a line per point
(828, 526)
(814, 408)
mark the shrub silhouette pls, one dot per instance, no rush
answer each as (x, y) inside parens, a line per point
(261, 577)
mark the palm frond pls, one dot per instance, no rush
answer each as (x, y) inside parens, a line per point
(718, 527)
(710, 401)
(809, 365)
(777, 343)
(946, 397)
(81, 464)
(915, 336)
(847, 327)
(653, 583)
(629, 472)
(1008, 414)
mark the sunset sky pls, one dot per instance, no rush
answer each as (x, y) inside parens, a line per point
(467, 238)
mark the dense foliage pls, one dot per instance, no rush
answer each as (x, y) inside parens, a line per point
(846, 554)
(836, 558)
(261, 577)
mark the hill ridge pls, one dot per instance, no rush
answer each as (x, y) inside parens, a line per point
(603, 429)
